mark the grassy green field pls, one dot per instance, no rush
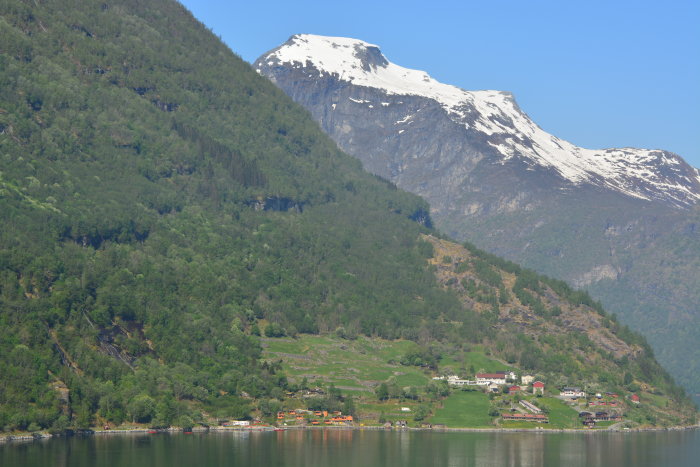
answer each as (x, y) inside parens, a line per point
(361, 364)
(369, 412)
(358, 366)
(355, 366)
(464, 409)
(560, 414)
(656, 401)
(604, 425)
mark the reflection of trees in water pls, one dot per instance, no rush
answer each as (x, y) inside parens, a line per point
(363, 448)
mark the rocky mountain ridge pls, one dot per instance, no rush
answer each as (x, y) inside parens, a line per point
(492, 118)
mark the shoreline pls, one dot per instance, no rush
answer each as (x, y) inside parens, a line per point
(26, 437)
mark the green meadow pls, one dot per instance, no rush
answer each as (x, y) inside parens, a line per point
(358, 366)
(355, 366)
(560, 416)
(464, 409)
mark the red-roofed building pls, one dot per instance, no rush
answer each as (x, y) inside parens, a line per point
(513, 389)
(538, 386)
(635, 398)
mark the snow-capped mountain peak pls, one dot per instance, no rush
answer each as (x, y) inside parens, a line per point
(495, 117)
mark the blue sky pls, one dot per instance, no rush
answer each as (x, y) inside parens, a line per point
(597, 73)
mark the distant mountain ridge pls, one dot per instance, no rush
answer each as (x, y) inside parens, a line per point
(621, 222)
(492, 118)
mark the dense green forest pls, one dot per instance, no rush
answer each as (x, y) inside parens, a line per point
(161, 204)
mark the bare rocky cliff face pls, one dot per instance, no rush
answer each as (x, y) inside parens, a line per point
(620, 222)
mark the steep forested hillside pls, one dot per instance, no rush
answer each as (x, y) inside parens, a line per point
(161, 203)
(157, 198)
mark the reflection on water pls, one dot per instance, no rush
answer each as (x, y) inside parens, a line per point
(367, 448)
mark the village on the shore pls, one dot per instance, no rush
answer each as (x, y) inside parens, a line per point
(519, 402)
(592, 408)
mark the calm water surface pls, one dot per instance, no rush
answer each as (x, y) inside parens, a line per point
(339, 448)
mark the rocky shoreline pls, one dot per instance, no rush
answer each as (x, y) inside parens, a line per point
(26, 437)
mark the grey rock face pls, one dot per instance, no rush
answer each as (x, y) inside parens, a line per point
(428, 154)
(417, 132)
(625, 236)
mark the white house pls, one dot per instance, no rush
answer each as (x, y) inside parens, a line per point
(456, 381)
(453, 380)
(525, 380)
(509, 375)
(572, 393)
(484, 379)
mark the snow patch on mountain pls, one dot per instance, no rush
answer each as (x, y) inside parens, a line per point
(640, 173)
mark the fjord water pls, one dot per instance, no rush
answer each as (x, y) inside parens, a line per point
(339, 448)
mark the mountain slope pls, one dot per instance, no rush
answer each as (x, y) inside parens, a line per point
(491, 118)
(158, 198)
(163, 205)
(601, 219)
